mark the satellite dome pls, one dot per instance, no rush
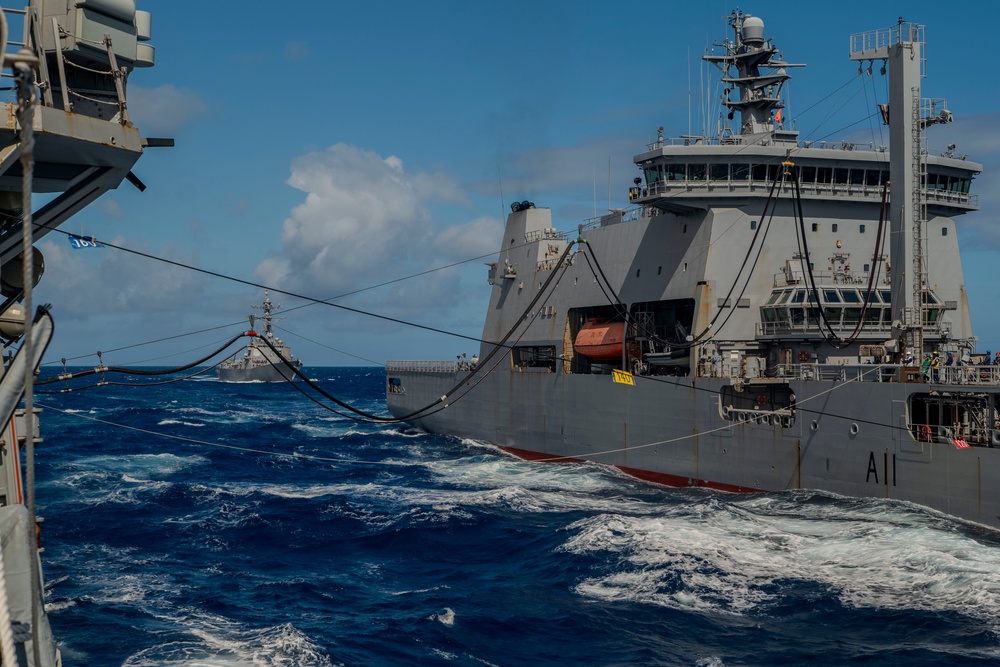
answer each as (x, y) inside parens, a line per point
(753, 30)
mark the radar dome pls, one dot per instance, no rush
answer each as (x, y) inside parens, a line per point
(12, 322)
(12, 273)
(753, 30)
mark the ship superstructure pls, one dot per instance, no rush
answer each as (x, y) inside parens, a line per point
(259, 361)
(67, 134)
(757, 319)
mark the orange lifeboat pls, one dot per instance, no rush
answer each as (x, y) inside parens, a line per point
(601, 340)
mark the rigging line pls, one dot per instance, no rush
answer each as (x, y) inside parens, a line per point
(621, 306)
(150, 342)
(871, 126)
(141, 371)
(746, 284)
(828, 96)
(294, 295)
(686, 385)
(846, 127)
(103, 383)
(578, 457)
(832, 336)
(502, 344)
(420, 412)
(833, 111)
(167, 356)
(398, 280)
(292, 333)
(315, 400)
(612, 298)
(734, 305)
(194, 441)
(483, 376)
(770, 200)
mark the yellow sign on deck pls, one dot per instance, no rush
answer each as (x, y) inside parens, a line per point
(623, 377)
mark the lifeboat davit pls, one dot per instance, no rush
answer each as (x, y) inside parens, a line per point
(601, 340)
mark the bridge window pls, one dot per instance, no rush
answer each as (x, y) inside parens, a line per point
(718, 172)
(674, 172)
(875, 177)
(741, 172)
(696, 172)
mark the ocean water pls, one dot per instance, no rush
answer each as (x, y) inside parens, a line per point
(201, 523)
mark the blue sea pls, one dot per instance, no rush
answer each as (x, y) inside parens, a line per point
(202, 523)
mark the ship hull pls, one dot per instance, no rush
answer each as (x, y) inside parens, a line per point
(673, 431)
(276, 373)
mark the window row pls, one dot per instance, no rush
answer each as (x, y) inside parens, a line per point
(806, 174)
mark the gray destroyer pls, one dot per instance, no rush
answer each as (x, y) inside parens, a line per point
(259, 362)
(756, 320)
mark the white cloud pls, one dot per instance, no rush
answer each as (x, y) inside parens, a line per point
(163, 109)
(95, 282)
(110, 208)
(366, 220)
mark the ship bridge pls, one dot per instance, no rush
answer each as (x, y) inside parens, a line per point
(690, 175)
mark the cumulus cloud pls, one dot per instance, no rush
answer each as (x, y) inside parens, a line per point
(163, 109)
(365, 219)
(96, 282)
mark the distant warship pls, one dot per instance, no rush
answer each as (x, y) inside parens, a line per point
(259, 363)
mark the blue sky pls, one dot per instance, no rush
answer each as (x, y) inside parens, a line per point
(328, 147)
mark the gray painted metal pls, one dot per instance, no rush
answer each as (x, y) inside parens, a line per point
(772, 399)
(259, 363)
(82, 146)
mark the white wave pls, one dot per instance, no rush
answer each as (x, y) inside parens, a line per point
(219, 643)
(167, 422)
(732, 556)
(55, 606)
(296, 491)
(446, 617)
(147, 465)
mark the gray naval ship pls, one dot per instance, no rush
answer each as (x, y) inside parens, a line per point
(65, 133)
(259, 363)
(769, 314)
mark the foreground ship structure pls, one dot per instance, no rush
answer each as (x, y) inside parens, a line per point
(262, 361)
(757, 319)
(65, 132)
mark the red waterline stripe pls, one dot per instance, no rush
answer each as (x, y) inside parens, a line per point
(677, 481)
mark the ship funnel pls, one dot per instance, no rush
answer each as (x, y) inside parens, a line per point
(753, 31)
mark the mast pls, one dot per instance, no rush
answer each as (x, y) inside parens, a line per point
(759, 90)
(902, 48)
